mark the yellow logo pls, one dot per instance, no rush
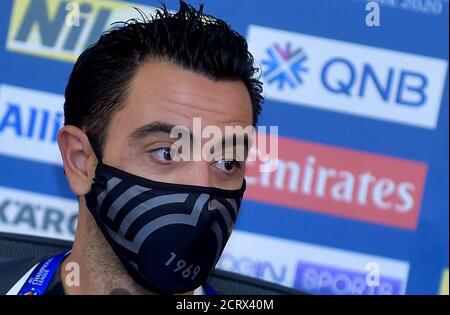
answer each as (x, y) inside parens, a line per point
(62, 29)
(444, 283)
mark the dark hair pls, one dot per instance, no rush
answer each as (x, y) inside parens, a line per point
(188, 38)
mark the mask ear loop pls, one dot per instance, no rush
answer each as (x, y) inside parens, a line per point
(95, 147)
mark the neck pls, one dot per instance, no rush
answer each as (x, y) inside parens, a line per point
(92, 267)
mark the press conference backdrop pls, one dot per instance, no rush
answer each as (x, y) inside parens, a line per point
(359, 203)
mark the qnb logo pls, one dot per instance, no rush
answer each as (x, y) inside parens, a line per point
(352, 78)
(61, 29)
(341, 76)
(285, 66)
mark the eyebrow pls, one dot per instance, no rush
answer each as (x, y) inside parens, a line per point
(151, 129)
(233, 140)
(163, 127)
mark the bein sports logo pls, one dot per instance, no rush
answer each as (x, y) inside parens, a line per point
(327, 280)
(285, 66)
(257, 267)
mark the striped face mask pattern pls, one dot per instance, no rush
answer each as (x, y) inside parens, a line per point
(169, 237)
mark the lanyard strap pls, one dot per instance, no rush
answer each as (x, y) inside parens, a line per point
(209, 290)
(40, 277)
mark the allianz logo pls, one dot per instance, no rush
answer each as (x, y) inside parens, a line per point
(30, 114)
(29, 123)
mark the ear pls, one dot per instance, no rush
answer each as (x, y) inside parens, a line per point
(78, 158)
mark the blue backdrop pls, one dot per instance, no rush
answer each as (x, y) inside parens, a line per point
(418, 28)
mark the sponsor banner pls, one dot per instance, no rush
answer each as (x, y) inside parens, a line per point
(29, 123)
(444, 283)
(326, 279)
(312, 268)
(326, 179)
(349, 78)
(60, 29)
(36, 214)
(340, 182)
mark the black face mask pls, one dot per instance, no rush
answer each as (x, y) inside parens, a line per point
(169, 237)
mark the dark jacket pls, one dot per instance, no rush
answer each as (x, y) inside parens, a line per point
(225, 283)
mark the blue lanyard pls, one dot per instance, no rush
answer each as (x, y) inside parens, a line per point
(40, 277)
(209, 290)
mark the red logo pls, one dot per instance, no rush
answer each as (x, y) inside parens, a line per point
(340, 182)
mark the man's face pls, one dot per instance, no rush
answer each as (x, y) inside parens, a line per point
(162, 95)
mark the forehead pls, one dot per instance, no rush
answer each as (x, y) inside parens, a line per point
(165, 92)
